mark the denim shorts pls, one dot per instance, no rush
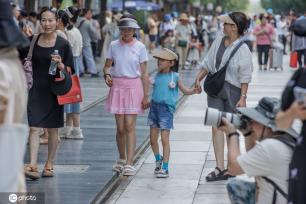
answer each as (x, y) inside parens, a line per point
(160, 116)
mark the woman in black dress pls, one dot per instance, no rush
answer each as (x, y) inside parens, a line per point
(43, 108)
(292, 109)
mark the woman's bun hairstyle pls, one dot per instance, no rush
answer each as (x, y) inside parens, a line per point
(241, 20)
(75, 12)
(63, 16)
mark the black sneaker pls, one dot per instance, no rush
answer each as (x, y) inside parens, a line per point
(163, 173)
(95, 75)
(158, 165)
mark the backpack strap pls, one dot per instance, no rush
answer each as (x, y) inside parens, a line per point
(289, 141)
(276, 188)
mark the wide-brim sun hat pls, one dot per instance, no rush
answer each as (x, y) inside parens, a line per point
(184, 17)
(226, 19)
(165, 54)
(10, 34)
(128, 23)
(265, 112)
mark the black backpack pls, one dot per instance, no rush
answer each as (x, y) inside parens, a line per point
(290, 142)
(299, 27)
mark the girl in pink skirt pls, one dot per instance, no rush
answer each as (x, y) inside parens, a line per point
(126, 74)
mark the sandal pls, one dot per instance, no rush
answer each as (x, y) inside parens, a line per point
(48, 172)
(217, 175)
(31, 172)
(129, 170)
(119, 165)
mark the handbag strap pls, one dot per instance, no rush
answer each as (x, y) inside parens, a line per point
(232, 54)
(35, 37)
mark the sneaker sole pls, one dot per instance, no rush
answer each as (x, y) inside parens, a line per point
(162, 176)
(74, 138)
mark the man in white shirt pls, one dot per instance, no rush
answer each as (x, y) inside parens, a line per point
(268, 158)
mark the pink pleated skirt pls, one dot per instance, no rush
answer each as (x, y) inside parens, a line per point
(125, 96)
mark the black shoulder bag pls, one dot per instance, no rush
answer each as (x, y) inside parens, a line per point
(214, 82)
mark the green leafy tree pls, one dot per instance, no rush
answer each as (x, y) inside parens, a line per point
(282, 6)
(228, 5)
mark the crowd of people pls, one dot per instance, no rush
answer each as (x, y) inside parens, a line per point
(274, 150)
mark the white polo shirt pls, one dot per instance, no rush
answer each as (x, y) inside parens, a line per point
(127, 58)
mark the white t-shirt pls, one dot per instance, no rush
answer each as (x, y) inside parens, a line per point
(268, 158)
(127, 58)
(74, 37)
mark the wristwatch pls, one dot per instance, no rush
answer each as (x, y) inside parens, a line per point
(244, 95)
(232, 134)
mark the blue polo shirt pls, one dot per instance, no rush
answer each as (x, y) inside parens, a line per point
(162, 93)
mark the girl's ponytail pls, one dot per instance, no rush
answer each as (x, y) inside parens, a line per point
(175, 67)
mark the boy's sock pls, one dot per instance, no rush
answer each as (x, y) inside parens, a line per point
(157, 157)
(165, 166)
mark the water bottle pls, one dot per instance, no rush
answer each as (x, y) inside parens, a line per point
(53, 64)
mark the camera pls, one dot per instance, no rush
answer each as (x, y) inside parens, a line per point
(213, 117)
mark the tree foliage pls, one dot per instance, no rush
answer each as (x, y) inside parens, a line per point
(283, 6)
(228, 5)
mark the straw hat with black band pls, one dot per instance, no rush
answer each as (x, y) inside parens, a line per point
(10, 34)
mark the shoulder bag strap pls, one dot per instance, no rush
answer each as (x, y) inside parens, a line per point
(232, 54)
(81, 23)
(35, 37)
(276, 188)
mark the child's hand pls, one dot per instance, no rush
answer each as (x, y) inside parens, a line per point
(145, 103)
(108, 80)
(197, 90)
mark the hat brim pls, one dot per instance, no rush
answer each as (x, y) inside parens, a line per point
(11, 36)
(165, 54)
(226, 19)
(253, 114)
(128, 24)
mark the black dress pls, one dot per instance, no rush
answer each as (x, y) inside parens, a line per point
(43, 108)
(297, 172)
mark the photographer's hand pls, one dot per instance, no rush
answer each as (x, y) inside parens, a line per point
(227, 127)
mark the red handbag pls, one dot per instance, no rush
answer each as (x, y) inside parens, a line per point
(293, 59)
(74, 95)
